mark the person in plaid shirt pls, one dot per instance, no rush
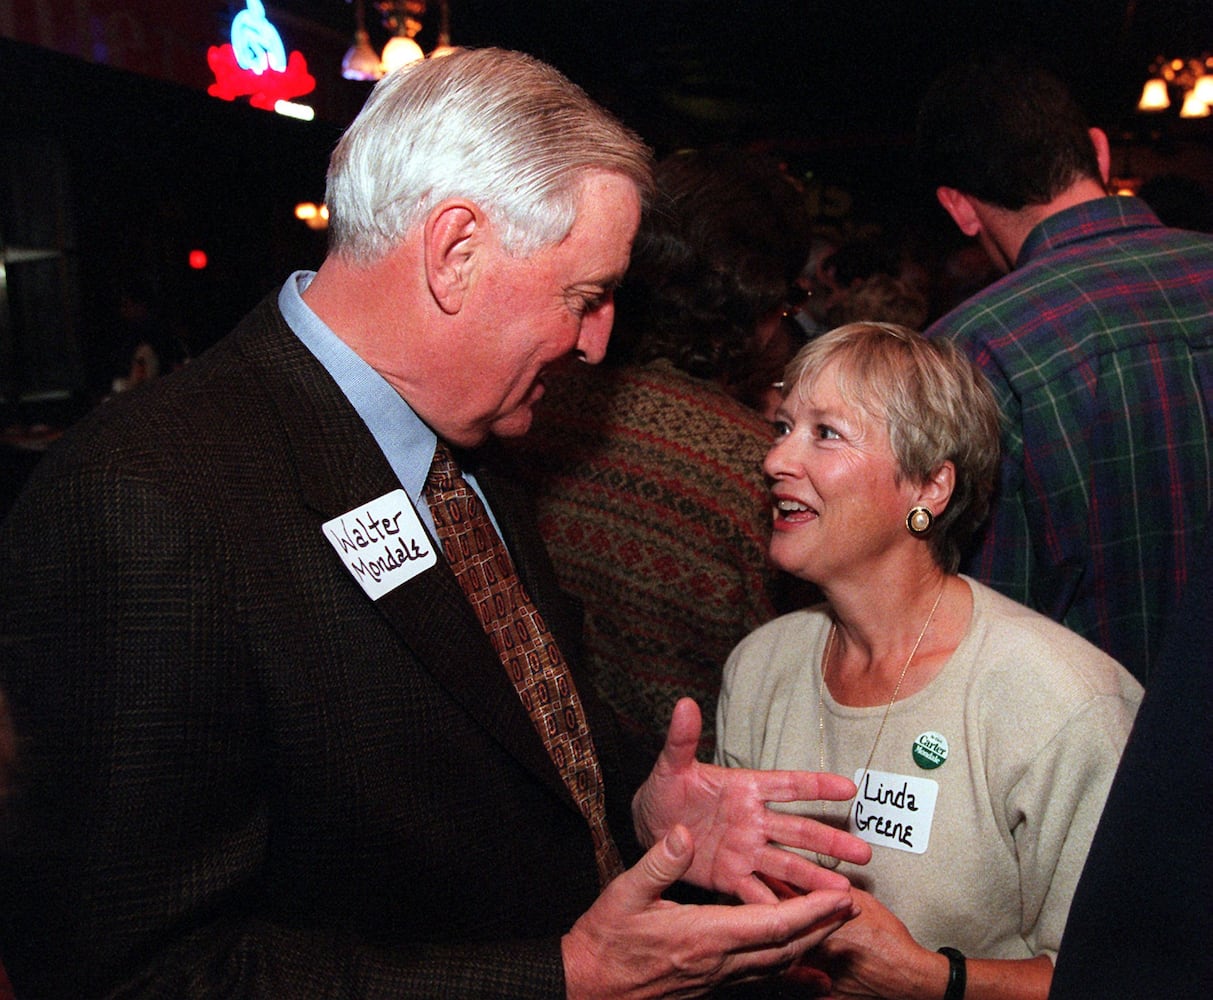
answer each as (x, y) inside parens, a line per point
(1097, 341)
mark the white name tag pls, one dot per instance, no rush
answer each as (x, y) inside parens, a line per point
(382, 543)
(894, 810)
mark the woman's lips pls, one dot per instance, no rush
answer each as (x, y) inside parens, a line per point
(790, 512)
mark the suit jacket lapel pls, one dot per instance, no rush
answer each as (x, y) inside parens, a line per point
(339, 467)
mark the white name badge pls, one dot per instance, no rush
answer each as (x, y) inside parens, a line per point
(382, 543)
(894, 810)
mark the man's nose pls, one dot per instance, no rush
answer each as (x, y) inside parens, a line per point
(596, 334)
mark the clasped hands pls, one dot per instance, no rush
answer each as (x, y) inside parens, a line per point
(711, 826)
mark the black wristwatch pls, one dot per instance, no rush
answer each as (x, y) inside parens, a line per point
(956, 974)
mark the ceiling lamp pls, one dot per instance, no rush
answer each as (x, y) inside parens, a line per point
(361, 62)
(1154, 96)
(1192, 78)
(312, 215)
(400, 51)
(402, 20)
(444, 46)
(1203, 91)
(1193, 106)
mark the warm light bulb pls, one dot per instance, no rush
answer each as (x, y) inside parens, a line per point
(1193, 106)
(1203, 91)
(361, 62)
(1154, 96)
(400, 51)
(312, 215)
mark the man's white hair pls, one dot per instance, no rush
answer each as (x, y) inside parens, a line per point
(499, 128)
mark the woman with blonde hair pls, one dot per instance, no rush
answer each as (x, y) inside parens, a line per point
(982, 736)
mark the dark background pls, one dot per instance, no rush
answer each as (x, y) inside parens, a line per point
(114, 176)
(805, 70)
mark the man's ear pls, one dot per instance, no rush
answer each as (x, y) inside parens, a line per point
(1103, 152)
(960, 207)
(452, 233)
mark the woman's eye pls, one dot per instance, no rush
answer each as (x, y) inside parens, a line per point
(827, 433)
(781, 427)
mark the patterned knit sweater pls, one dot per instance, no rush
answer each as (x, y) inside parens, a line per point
(653, 504)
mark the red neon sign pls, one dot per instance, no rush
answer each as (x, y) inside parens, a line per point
(255, 63)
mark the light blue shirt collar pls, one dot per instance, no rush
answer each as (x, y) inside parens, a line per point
(405, 440)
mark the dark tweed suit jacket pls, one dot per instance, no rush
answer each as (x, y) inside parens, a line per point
(241, 776)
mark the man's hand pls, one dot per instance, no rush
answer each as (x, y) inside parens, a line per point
(633, 944)
(736, 835)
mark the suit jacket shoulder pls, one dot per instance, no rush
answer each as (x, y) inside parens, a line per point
(225, 735)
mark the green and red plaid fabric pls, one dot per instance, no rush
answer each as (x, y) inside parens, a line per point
(1099, 346)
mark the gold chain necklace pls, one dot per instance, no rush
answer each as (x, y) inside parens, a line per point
(826, 860)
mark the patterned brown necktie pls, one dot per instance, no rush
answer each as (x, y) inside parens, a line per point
(527, 649)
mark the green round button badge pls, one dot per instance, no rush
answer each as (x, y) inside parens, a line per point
(930, 750)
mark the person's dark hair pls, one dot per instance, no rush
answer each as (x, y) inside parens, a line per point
(858, 259)
(1004, 130)
(719, 251)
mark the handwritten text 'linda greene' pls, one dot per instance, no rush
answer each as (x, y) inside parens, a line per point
(868, 820)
